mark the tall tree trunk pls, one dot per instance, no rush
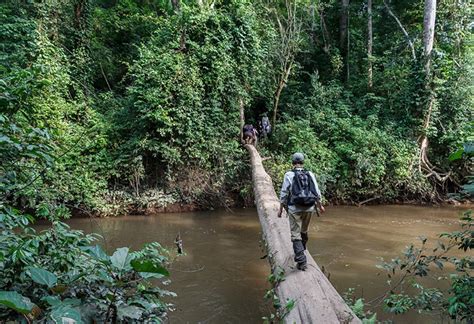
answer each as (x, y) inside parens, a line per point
(242, 119)
(369, 42)
(325, 33)
(428, 33)
(343, 24)
(429, 20)
(344, 34)
(425, 165)
(312, 13)
(175, 4)
(428, 40)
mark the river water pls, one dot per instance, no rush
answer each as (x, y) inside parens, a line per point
(222, 278)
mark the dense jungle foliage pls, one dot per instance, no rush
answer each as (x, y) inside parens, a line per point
(108, 106)
(140, 99)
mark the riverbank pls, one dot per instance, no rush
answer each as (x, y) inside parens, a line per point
(157, 202)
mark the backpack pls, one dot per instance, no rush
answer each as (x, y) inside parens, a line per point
(303, 189)
(266, 125)
(248, 128)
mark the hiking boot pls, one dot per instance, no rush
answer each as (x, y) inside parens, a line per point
(302, 266)
(298, 248)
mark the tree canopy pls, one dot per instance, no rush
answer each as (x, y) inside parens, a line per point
(141, 96)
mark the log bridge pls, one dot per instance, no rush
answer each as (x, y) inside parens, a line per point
(316, 300)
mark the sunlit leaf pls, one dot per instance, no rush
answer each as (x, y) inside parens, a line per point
(121, 259)
(64, 313)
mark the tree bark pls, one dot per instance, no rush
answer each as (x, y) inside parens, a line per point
(242, 120)
(429, 20)
(281, 84)
(175, 4)
(344, 35)
(343, 24)
(369, 42)
(410, 43)
(428, 33)
(425, 165)
(316, 300)
(325, 32)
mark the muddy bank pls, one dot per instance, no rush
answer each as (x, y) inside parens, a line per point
(158, 202)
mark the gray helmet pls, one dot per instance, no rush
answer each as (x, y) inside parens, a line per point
(297, 158)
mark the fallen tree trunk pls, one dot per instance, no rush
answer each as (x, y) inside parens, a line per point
(316, 300)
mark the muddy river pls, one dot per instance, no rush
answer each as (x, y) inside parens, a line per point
(222, 278)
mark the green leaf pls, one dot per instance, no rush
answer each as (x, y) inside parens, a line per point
(370, 320)
(149, 266)
(63, 313)
(456, 155)
(121, 259)
(358, 307)
(14, 300)
(96, 252)
(132, 312)
(52, 300)
(42, 276)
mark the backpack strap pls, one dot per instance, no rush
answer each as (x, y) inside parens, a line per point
(295, 178)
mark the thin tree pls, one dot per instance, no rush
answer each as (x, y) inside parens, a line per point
(242, 119)
(175, 4)
(344, 34)
(324, 31)
(405, 33)
(369, 42)
(318, 9)
(289, 28)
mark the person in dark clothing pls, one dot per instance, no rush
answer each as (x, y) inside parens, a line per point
(249, 134)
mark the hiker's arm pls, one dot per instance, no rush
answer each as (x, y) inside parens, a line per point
(281, 210)
(318, 202)
(320, 206)
(285, 190)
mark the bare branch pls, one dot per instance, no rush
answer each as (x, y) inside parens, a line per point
(410, 43)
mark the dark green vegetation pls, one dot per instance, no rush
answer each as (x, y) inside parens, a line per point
(141, 101)
(58, 274)
(108, 106)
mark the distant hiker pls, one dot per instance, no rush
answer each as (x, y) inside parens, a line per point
(250, 135)
(300, 196)
(260, 129)
(266, 126)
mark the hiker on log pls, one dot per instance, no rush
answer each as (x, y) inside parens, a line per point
(250, 135)
(301, 198)
(316, 300)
